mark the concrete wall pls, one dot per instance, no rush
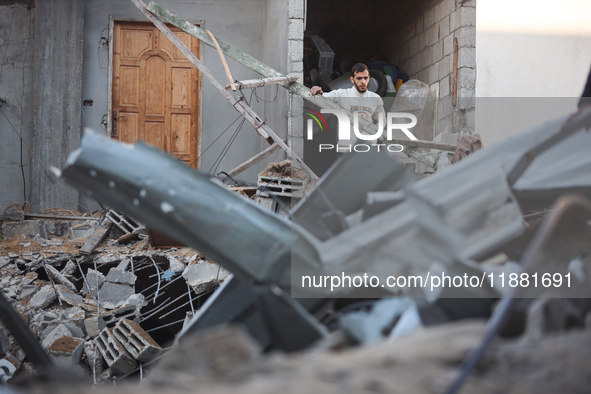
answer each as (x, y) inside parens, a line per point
(423, 45)
(17, 41)
(257, 27)
(58, 81)
(529, 49)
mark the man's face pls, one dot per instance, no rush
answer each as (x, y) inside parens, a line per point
(361, 80)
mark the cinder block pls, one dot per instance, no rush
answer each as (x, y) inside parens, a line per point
(467, 57)
(466, 16)
(295, 9)
(119, 313)
(444, 26)
(448, 45)
(437, 52)
(467, 78)
(453, 22)
(445, 127)
(296, 67)
(444, 67)
(444, 107)
(444, 87)
(136, 341)
(295, 50)
(466, 37)
(432, 35)
(413, 46)
(295, 29)
(449, 6)
(119, 359)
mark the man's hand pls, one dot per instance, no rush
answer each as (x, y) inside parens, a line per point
(316, 90)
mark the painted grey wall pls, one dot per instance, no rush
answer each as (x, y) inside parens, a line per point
(243, 23)
(17, 35)
(58, 81)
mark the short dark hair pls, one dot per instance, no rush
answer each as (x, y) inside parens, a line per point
(358, 68)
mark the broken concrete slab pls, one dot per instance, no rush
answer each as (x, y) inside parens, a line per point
(66, 351)
(95, 280)
(43, 298)
(94, 358)
(58, 277)
(114, 295)
(67, 296)
(175, 264)
(136, 341)
(204, 276)
(58, 332)
(27, 228)
(117, 275)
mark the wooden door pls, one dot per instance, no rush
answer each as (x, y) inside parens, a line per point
(155, 90)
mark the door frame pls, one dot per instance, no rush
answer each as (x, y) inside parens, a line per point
(112, 20)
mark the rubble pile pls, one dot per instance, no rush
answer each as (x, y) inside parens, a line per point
(104, 313)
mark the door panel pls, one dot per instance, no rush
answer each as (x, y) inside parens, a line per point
(155, 90)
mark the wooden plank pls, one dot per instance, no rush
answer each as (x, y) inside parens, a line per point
(253, 160)
(240, 105)
(97, 237)
(223, 59)
(257, 83)
(266, 71)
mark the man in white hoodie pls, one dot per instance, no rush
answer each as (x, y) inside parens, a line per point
(357, 98)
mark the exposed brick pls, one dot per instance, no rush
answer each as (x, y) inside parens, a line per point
(295, 29)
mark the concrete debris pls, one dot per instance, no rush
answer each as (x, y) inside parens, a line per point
(117, 275)
(69, 299)
(137, 342)
(82, 230)
(204, 276)
(25, 229)
(114, 353)
(67, 351)
(43, 298)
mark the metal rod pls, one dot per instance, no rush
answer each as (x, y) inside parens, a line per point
(165, 325)
(177, 308)
(98, 296)
(157, 271)
(155, 310)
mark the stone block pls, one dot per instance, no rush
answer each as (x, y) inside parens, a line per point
(58, 277)
(26, 228)
(114, 353)
(136, 341)
(467, 77)
(295, 29)
(117, 275)
(114, 295)
(83, 230)
(448, 45)
(94, 325)
(43, 298)
(58, 332)
(432, 35)
(204, 276)
(449, 6)
(67, 351)
(296, 67)
(453, 21)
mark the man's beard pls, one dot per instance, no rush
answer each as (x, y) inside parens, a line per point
(359, 90)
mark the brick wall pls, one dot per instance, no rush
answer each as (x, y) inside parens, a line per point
(295, 50)
(423, 45)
